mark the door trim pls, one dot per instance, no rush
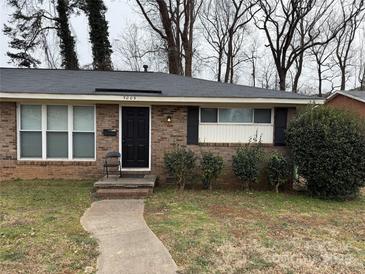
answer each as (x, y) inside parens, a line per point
(149, 138)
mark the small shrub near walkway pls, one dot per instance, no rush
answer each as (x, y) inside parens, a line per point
(40, 230)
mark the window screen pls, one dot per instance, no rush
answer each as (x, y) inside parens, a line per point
(209, 115)
(83, 135)
(31, 131)
(83, 145)
(262, 116)
(83, 118)
(31, 144)
(57, 131)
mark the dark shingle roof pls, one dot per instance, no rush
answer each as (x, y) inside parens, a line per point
(86, 81)
(357, 93)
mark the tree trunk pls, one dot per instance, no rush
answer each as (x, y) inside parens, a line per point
(343, 78)
(277, 188)
(319, 71)
(298, 73)
(253, 73)
(229, 56)
(220, 56)
(282, 79)
(187, 37)
(67, 42)
(173, 59)
(232, 71)
(362, 83)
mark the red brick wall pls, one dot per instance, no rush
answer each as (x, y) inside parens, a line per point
(107, 116)
(165, 135)
(346, 103)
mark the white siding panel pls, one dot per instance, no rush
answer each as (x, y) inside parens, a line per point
(234, 133)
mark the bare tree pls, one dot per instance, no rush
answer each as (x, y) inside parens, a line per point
(291, 28)
(224, 23)
(266, 74)
(361, 76)
(323, 57)
(134, 50)
(345, 37)
(173, 21)
(239, 13)
(251, 57)
(215, 32)
(362, 67)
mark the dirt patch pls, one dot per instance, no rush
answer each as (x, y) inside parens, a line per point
(239, 213)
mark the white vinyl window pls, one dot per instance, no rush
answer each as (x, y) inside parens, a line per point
(236, 115)
(83, 132)
(31, 131)
(56, 132)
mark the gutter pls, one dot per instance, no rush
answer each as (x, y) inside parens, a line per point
(12, 96)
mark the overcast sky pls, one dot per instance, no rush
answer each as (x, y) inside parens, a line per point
(120, 15)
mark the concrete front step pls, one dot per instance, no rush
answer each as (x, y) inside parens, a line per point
(123, 193)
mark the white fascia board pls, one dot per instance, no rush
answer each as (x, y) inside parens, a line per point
(7, 96)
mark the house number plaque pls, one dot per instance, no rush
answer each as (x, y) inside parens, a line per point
(129, 98)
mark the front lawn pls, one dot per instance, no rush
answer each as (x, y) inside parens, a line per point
(40, 229)
(263, 232)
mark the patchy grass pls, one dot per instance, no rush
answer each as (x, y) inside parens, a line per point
(262, 232)
(40, 229)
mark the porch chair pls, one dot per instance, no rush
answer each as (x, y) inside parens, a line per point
(112, 160)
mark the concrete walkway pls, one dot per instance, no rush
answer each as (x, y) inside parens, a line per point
(127, 245)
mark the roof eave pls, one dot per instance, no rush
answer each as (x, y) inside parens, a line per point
(7, 96)
(334, 95)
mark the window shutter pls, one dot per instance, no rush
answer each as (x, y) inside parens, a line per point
(193, 126)
(280, 125)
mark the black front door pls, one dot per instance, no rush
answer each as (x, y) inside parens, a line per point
(135, 137)
(280, 125)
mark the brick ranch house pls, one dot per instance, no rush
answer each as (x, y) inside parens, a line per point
(353, 101)
(61, 123)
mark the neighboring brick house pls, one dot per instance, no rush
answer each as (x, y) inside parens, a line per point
(353, 101)
(61, 123)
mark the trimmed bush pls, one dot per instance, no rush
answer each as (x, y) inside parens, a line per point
(328, 147)
(279, 170)
(211, 167)
(246, 163)
(180, 164)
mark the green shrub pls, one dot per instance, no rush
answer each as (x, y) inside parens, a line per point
(279, 170)
(211, 167)
(328, 146)
(246, 163)
(180, 164)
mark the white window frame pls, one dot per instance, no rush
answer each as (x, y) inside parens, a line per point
(44, 131)
(237, 123)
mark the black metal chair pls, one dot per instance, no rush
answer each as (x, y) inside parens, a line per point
(112, 160)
